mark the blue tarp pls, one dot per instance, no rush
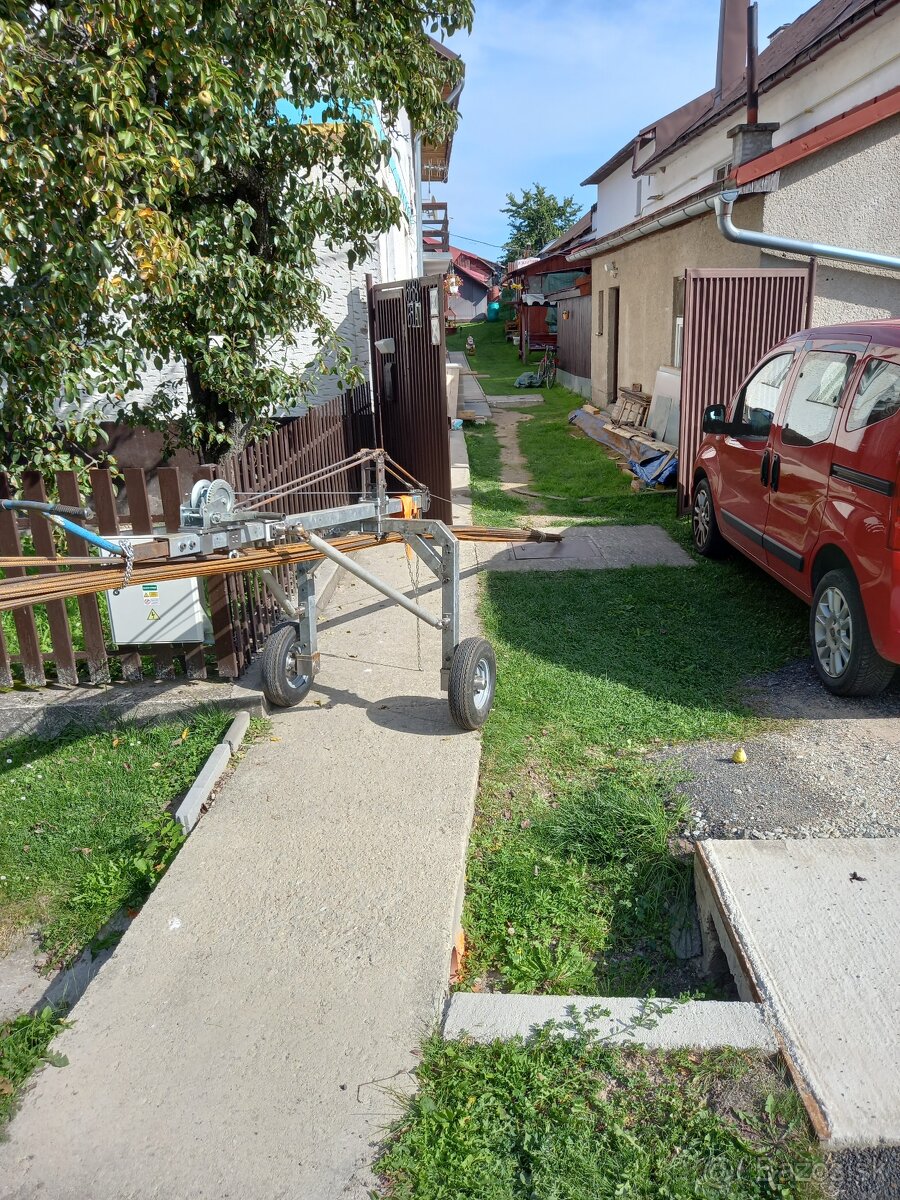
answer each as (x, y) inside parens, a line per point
(658, 469)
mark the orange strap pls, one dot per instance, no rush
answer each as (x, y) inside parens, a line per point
(409, 510)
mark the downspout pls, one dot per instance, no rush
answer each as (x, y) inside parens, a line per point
(420, 232)
(767, 241)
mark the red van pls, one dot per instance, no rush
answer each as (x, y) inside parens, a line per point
(801, 473)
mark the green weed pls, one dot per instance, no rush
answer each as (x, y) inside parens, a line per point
(24, 1045)
(567, 1118)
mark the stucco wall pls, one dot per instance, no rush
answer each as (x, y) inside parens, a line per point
(845, 195)
(646, 271)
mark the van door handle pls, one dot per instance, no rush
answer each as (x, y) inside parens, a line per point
(776, 472)
(764, 470)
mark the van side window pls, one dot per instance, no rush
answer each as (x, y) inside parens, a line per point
(759, 399)
(816, 397)
(878, 394)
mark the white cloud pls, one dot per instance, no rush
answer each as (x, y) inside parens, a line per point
(554, 89)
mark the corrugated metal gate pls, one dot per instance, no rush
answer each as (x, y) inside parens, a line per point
(410, 381)
(731, 318)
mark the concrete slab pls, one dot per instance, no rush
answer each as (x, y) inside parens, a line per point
(522, 399)
(471, 399)
(589, 548)
(814, 925)
(244, 1037)
(697, 1024)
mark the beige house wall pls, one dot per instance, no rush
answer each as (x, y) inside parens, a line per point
(846, 195)
(645, 273)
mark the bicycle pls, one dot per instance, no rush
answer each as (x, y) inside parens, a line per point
(547, 368)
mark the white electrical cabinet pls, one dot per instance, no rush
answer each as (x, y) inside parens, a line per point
(158, 613)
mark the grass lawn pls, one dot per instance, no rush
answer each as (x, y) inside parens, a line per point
(570, 885)
(496, 360)
(575, 1120)
(83, 824)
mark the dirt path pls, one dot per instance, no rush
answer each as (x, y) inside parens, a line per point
(513, 468)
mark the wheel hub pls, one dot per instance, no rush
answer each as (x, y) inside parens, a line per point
(833, 632)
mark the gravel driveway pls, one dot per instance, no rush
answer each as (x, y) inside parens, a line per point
(830, 767)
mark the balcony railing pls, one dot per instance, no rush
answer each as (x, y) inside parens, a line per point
(435, 227)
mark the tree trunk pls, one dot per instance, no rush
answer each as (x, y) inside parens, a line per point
(212, 411)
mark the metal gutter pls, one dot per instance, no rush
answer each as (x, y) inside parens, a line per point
(652, 225)
(724, 204)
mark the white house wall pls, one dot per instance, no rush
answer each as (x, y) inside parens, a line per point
(394, 257)
(866, 65)
(616, 201)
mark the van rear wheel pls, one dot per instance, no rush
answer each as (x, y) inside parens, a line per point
(843, 653)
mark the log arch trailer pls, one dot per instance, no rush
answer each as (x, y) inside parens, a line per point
(222, 532)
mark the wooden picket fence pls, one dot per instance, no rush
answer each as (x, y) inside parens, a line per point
(241, 611)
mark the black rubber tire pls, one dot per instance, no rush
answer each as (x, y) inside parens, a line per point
(866, 672)
(464, 710)
(276, 679)
(711, 544)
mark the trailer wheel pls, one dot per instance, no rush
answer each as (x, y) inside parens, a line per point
(282, 683)
(473, 678)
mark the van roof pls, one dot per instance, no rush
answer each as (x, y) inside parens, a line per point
(883, 333)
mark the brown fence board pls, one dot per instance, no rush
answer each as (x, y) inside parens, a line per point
(57, 617)
(88, 607)
(23, 618)
(104, 505)
(243, 613)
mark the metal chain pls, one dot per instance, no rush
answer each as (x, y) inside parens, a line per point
(414, 583)
(128, 551)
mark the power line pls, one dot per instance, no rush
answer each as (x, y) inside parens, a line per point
(463, 238)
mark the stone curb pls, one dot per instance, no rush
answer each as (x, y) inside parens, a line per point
(694, 1025)
(189, 810)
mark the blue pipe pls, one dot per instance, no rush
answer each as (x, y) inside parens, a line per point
(46, 510)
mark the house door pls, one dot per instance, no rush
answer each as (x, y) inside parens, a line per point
(745, 455)
(802, 447)
(612, 361)
(732, 317)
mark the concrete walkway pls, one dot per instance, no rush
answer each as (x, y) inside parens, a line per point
(471, 394)
(243, 1040)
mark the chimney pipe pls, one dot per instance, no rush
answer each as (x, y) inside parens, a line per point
(732, 45)
(752, 54)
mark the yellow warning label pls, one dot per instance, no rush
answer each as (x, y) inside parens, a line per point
(152, 615)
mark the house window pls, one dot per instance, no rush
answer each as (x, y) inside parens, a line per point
(637, 210)
(677, 320)
(678, 338)
(600, 305)
(722, 172)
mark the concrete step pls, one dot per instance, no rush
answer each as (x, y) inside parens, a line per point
(811, 930)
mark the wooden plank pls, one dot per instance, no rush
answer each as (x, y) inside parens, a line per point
(23, 618)
(169, 482)
(104, 505)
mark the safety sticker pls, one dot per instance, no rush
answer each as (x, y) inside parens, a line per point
(150, 592)
(152, 615)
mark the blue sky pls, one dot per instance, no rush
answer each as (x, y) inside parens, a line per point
(555, 87)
